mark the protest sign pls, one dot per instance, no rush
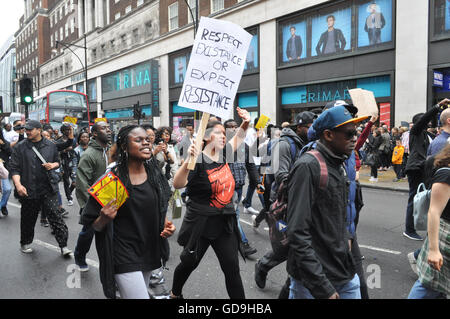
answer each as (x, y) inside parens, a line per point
(365, 102)
(108, 188)
(215, 67)
(214, 72)
(71, 120)
(262, 122)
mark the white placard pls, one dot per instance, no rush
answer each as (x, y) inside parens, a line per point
(365, 102)
(215, 67)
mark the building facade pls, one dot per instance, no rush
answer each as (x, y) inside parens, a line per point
(7, 75)
(303, 54)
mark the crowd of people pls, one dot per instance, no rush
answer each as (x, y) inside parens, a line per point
(317, 157)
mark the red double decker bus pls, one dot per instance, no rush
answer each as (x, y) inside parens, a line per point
(54, 106)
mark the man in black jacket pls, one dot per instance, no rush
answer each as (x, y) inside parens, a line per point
(320, 261)
(294, 46)
(418, 146)
(34, 186)
(332, 40)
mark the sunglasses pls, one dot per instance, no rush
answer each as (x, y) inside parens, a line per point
(348, 134)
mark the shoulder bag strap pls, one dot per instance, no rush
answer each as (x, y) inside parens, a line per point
(323, 168)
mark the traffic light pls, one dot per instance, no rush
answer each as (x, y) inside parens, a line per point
(26, 91)
(137, 111)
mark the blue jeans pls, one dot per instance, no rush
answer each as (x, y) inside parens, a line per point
(239, 196)
(349, 290)
(6, 191)
(418, 291)
(248, 198)
(83, 245)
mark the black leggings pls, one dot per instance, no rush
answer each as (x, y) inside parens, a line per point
(226, 249)
(374, 171)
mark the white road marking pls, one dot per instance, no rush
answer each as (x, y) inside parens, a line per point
(381, 249)
(90, 262)
(361, 246)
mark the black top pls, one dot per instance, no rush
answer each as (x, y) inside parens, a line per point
(443, 176)
(33, 175)
(211, 184)
(319, 255)
(136, 231)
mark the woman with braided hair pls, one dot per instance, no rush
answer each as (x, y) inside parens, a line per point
(131, 240)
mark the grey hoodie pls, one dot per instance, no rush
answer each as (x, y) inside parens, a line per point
(281, 156)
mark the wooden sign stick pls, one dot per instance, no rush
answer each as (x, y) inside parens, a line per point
(199, 139)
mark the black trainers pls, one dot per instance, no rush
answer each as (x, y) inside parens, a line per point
(63, 212)
(413, 236)
(44, 222)
(248, 250)
(260, 276)
(5, 211)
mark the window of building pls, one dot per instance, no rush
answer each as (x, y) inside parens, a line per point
(441, 18)
(61, 33)
(117, 16)
(72, 26)
(192, 5)
(173, 16)
(128, 9)
(357, 26)
(140, 2)
(216, 5)
(66, 29)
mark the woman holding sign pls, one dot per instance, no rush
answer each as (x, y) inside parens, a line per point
(210, 218)
(131, 239)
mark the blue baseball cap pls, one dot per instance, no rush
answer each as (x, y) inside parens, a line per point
(335, 117)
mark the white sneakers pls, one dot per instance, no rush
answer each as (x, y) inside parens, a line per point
(70, 203)
(26, 249)
(373, 179)
(251, 210)
(65, 252)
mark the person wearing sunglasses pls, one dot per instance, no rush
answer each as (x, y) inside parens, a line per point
(320, 262)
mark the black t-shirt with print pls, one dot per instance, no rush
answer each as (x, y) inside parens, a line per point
(443, 176)
(211, 184)
(136, 231)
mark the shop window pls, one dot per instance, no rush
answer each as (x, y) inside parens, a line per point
(252, 59)
(177, 67)
(334, 30)
(441, 18)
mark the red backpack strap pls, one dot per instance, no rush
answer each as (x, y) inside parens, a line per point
(323, 168)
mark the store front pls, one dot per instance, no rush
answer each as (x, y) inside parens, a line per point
(439, 57)
(124, 88)
(313, 97)
(316, 65)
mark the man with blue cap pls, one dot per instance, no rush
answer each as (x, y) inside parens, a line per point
(320, 262)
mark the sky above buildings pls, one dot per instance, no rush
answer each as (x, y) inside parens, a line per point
(10, 13)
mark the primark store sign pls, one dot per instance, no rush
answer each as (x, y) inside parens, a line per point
(138, 79)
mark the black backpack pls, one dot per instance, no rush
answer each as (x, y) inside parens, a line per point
(277, 215)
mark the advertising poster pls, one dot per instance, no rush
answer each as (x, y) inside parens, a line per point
(447, 15)
(331, 33)
(179, 67)
(251, 62)
(374, 23)
(294, 41)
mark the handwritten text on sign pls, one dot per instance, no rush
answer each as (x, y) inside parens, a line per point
(215, 67)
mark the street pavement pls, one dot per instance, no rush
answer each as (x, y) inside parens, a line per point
(44, 274)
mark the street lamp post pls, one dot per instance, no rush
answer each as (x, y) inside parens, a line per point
(67, 46)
